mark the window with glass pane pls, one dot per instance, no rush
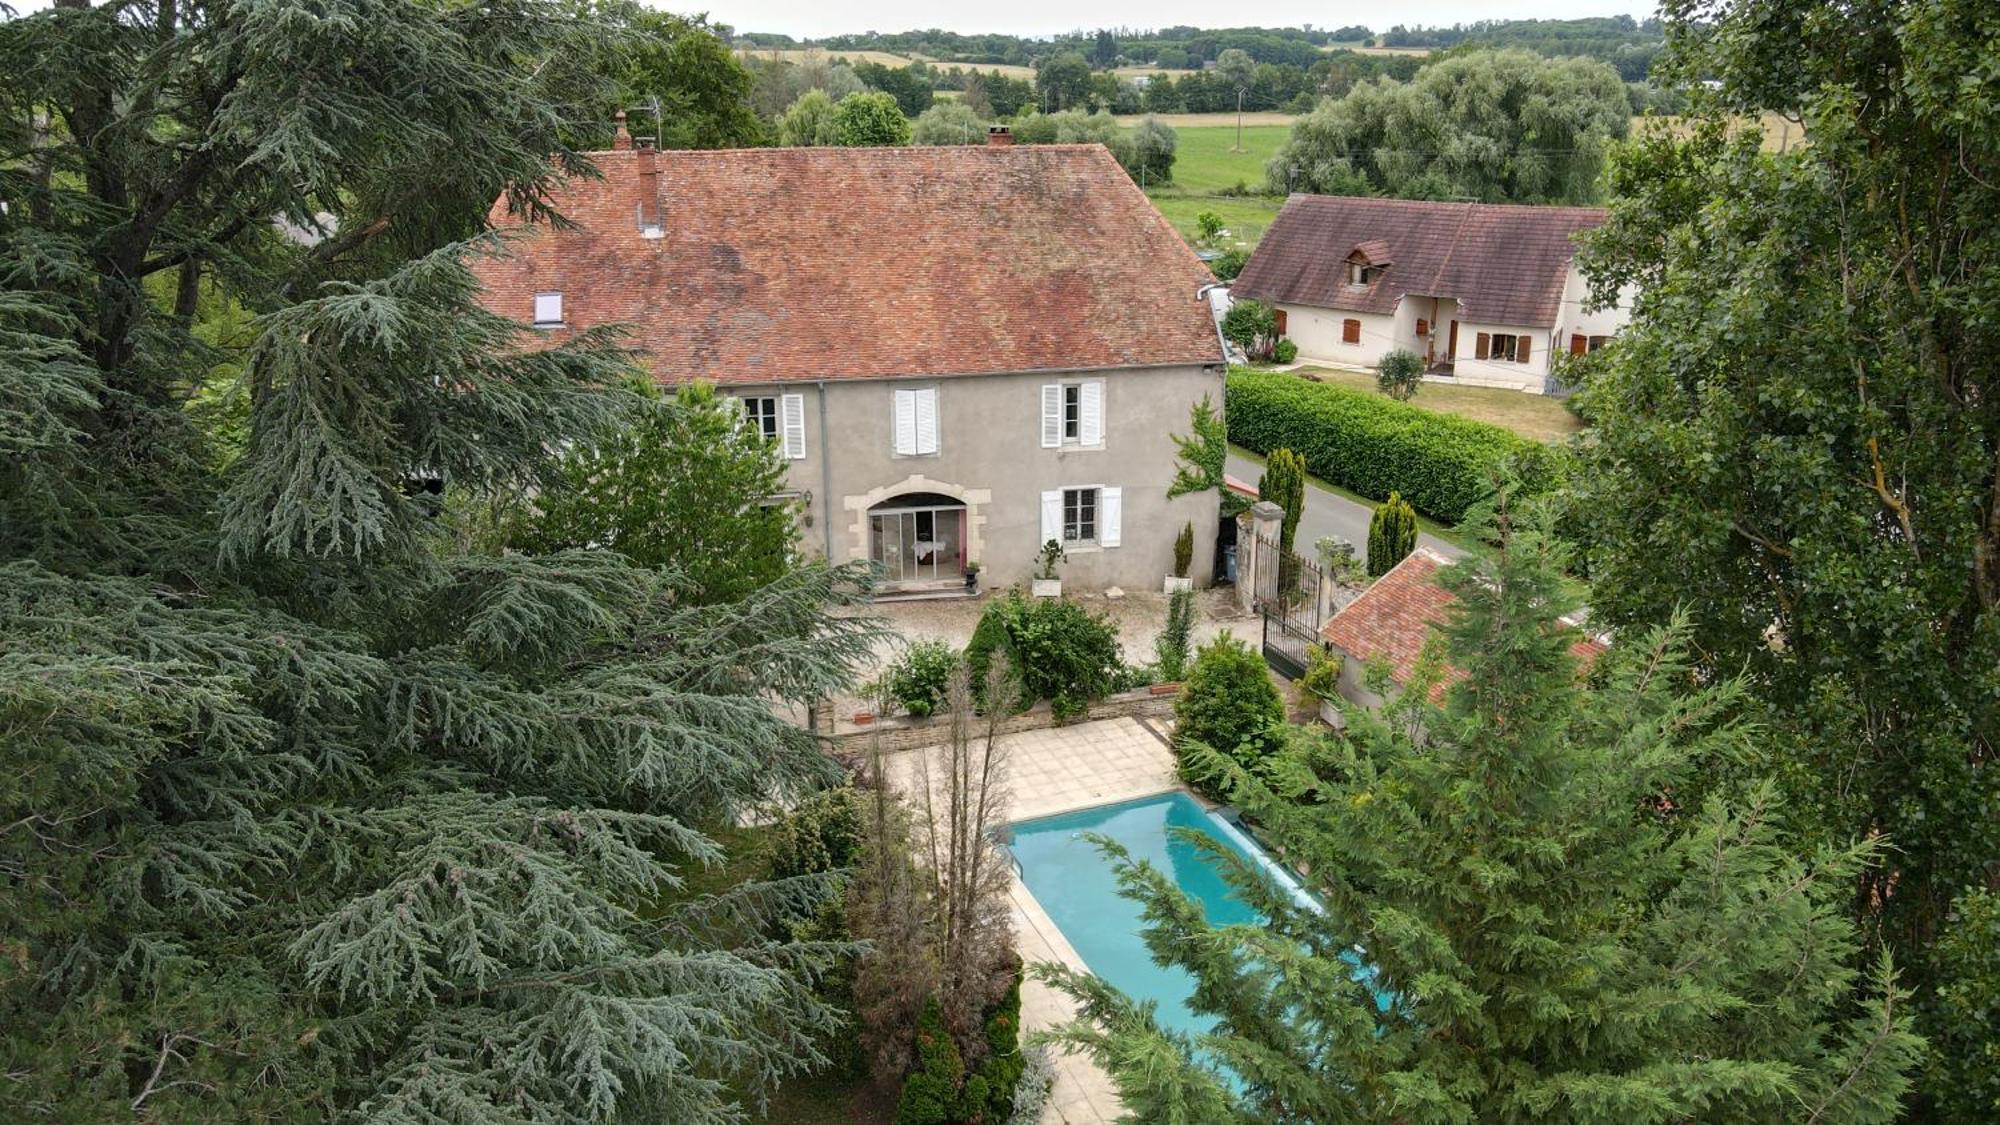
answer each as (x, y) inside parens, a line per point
(1072, 411)
(763, 413)
(548, 308)
(1079, 515)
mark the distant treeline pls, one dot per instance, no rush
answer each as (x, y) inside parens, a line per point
(1627, 44)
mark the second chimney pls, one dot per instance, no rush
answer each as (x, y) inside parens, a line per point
(648, 160)
(999, 136)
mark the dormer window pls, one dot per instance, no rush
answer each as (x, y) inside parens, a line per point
(1360, 273)
(1366, 262)
(548, 310)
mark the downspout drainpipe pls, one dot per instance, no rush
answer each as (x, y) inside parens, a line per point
(1202, 296)
(825, 472)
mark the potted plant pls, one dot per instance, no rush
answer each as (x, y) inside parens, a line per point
(1183, 558)
(1320, 684)
(1046, 584)
(971, 577)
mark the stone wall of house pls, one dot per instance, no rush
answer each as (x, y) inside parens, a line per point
(909, 734)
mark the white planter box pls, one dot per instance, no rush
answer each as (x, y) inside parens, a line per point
(1176, 585)
(1047, 587)
(1329, 713)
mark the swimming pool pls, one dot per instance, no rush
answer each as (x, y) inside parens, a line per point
(1077, 887)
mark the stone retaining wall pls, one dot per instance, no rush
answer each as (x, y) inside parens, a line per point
(908, 734)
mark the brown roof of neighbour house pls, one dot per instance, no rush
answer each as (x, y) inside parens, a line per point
(1392, 618)
(789, 264)
(1504, 264)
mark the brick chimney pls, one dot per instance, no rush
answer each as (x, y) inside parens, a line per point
(647, 159)
(999, 136)
(623, 139)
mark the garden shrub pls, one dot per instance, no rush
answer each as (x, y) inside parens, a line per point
(1392, 535)
(1321, 680)
(1058, 650)
(1399, 374)
(931, 1093)
(1031, 1092)
(1360, 441)
(1227, 703)
(1170, 649)
(1184, 550)
(1285, 350)
(822, 834)
(989, 1089)
(917, 678)
(1251, 325)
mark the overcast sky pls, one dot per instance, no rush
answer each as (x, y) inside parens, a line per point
(814, 18)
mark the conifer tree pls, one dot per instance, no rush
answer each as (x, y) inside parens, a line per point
(1392, 535)
(1556, 939)
(311, 811)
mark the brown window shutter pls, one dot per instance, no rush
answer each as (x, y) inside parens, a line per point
(1350, 331)
(1279, 318)
(1578, 343)
(1521, 349)
(1423, 327)
(1481, 345)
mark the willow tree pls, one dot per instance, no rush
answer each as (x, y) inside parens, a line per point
(310, 811)
(1514, 921)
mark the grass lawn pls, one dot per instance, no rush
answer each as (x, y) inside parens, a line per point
(1204, 166)
(1532, 416)
(1245, 218)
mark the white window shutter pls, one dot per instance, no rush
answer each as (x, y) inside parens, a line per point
(1051, 516)
(1091, 427)
(792, 418)
(906, 422)
(927, 420)
(1052, 416)
(1112, 503)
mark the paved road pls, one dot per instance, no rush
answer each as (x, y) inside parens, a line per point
(1330, 513)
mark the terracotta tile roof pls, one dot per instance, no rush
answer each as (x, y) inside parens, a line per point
(1504, 264)
(1393, 617)
(840, 263)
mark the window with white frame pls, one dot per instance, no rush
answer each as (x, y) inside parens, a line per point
(548, 308)
(1073, 414)
(1082, 516)
(762, 412)
(1079, 516)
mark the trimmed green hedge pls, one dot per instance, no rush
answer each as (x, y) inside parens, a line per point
(1374, 445)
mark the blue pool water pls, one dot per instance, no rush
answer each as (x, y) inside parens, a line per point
(1075, 884)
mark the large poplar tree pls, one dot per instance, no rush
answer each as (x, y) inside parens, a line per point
(309, 811)
(1797, 441)
(1516, 920)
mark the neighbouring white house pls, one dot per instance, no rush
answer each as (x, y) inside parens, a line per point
(1486, 293)
(962, 352)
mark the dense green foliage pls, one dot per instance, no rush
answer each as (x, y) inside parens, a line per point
(940, 1091)
(1184, 550)
(1556, 941)
(916, 679)
(821, 834)
(313, 812)
(1441, 464)
(1392, 535)
(869, 121)
(1251, 326)
(1170, 648)
(808, 120)
(1055, 648)
(1628, 45)
(685, 486)
(1797, 440)
(1286, 350)
(934, 1090)
(1228, 703)
(1283, 483)
(1966, 1065)
(1400, 374)
(911, 86)
(1498, 126)
(1153, 145)
(948, 123)
(678, 81)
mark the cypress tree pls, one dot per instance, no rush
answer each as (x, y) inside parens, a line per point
(1392, 534)
(1550, 936)
(1284, 483)
(312, 810)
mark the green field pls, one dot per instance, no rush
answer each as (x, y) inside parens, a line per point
(1205, 165)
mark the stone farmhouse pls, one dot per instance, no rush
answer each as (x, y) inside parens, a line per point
(963, 352)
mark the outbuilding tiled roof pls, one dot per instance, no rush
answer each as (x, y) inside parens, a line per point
(1504, 264)
(841, 263)
(1392, 618)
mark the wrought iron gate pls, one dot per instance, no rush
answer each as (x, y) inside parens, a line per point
(1294, 599)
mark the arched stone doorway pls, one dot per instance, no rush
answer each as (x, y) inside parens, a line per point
(918, 538)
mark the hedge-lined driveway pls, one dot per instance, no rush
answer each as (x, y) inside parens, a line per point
(1329, 513)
